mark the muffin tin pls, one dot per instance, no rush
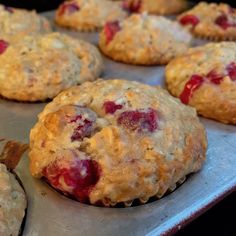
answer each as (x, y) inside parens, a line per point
(50, 213)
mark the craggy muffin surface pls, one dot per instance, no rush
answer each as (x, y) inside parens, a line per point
(12, 202)
(205, 78)
(160, 7)
(115, 141)
(45, 65)
(211, 21)
(17, 23)
(88, 15)
(144, 40)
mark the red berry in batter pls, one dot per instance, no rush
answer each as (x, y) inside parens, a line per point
(133, 7)
(83, 129)
(223, 22)
(194, 83)
(77, 177)
(139, 120)
(110, 29)
(189, 20)
(68, 8)
(3, 46)
(9, 9)
(231, 69)
(214, 77)
(111, 107)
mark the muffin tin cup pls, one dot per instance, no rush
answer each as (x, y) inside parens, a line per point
(51, 213)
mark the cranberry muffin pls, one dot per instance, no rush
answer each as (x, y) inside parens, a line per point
(211, 21)
(205, 78)
(12, 202)
(88, 15)
(144, 40)
(159, 7)
(16, 23)
(114, 141)
(44, 65)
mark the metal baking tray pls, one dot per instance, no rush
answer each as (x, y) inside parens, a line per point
(50, 213)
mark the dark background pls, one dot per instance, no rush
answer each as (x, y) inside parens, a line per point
(45, 5)
(221, 219)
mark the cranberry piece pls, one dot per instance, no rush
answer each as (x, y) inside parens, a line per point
(84, 128)
(222, 21)
(231, 69)
(77, 178)
(214, 78)
(111, 107)
(231, 10)
(132, 7)
(3, 46)
(9, 9)
(68, 8)
(194, 83)
(110, 29)
(139, 120)
(189, 20)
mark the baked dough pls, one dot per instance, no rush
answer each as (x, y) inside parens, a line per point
(205, 78)
(113, 141)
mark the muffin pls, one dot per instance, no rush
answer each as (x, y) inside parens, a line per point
(205, 78)
(16, 23)
(114, 141)
(160, 7)
(12, 197)
(88, 15)
(12, 202)
(211, 21)
(144, 40)
(44, 65)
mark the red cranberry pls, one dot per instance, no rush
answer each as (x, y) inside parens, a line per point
(231, 69)
(231, 10)
(9, 9)
(77, 178)
(83, 129)
(3, 46)
(194, 83)
(68, 8)
(110, 29)
(214, 78)
(111, 107)
(139, 120)
(189, 20)
(223, 22)
(132, 7)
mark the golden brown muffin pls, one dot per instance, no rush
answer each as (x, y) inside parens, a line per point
(17, 23)
(205, 78)
(12, 203)
(45, 65)
(88, 15)
(211, 21)
(160, 7)
(144, 40)
(113, 141)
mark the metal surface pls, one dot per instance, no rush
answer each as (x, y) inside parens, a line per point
(50, 213)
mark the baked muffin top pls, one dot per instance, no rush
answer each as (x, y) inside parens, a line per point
(88, 15)
(143, 39)
(12, 202)
(205, 78)
(115, 141)
(44, 65)
(17, 23)
(160, 7)
(211, 21)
